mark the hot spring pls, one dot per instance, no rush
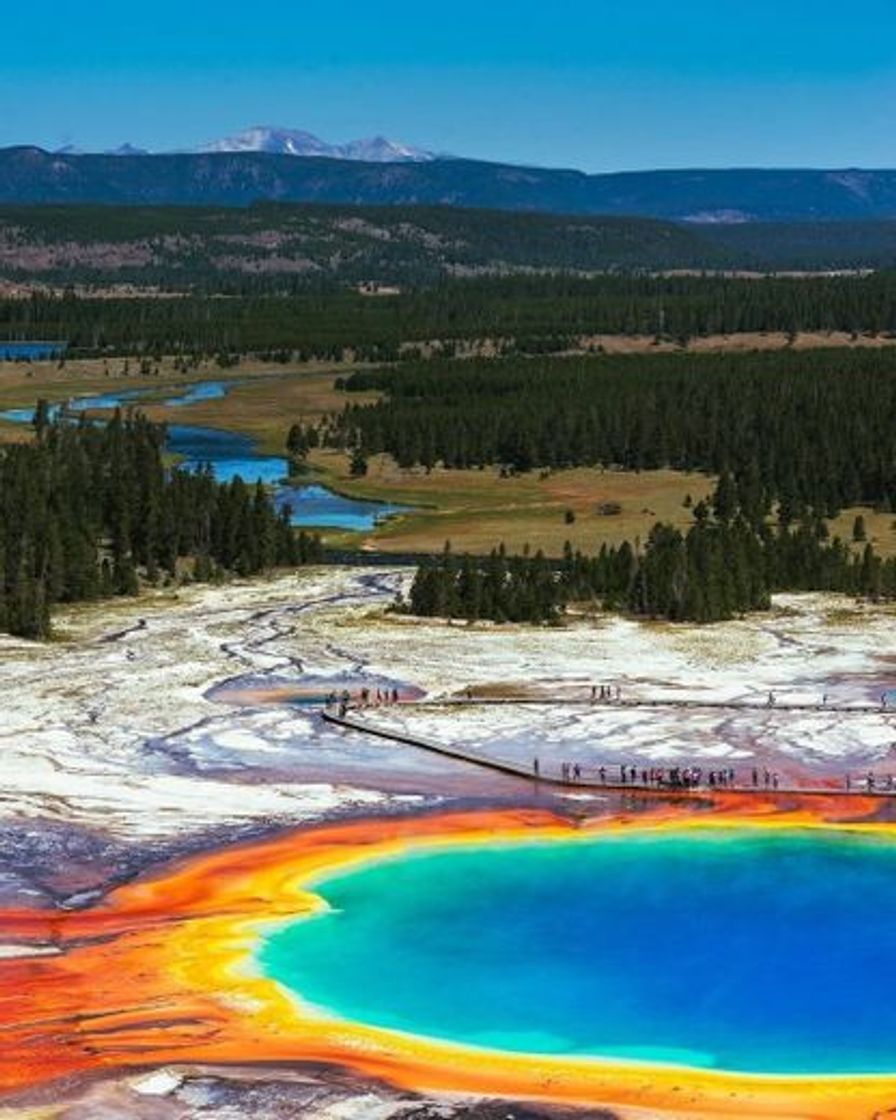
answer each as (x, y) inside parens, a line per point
(754, 950)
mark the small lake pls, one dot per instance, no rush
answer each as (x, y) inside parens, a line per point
(232, 454)
(30, 351)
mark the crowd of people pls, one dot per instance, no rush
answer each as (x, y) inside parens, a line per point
(696, 777)
(366, 697)
(663, 777)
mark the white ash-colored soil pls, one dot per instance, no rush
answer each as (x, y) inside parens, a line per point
(807, 648)
(96, 727)
(110, 727)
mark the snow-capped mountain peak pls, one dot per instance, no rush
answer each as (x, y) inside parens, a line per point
(295, 142)
(280, 141)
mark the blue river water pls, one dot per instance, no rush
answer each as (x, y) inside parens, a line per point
(30, 351)
(231, 454)
(765, 952)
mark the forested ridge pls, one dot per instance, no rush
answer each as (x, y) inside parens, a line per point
(88, 511)
(524, 313)
(28, 174)
(269, 248)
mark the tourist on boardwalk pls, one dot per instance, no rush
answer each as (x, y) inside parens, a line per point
(535, 767)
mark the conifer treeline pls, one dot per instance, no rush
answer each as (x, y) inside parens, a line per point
(728, 563)
(87, 510)
(534, 313)
(807, 429)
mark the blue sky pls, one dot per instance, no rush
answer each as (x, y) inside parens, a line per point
(602, 85)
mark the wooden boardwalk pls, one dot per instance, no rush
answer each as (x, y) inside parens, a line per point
(793, 706)
(351, 721)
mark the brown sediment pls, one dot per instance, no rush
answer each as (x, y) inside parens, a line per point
(161, 972)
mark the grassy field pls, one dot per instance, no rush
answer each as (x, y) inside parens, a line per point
(741, 343)
(880, 529)
(478, 510)
(267, 406)
(273, 397)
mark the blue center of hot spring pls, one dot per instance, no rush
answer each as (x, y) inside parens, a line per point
(741, 949)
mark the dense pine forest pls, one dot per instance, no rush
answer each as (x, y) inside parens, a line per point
(529, 314)
(802, 429)
(88, 511)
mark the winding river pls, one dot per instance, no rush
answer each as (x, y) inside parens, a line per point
(231, 454)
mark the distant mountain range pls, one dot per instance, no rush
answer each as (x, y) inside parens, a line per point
(121, 150)
(285, 142)
(391, 174)
(294, 142)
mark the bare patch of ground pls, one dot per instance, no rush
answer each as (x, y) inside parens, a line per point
(208, 1093)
